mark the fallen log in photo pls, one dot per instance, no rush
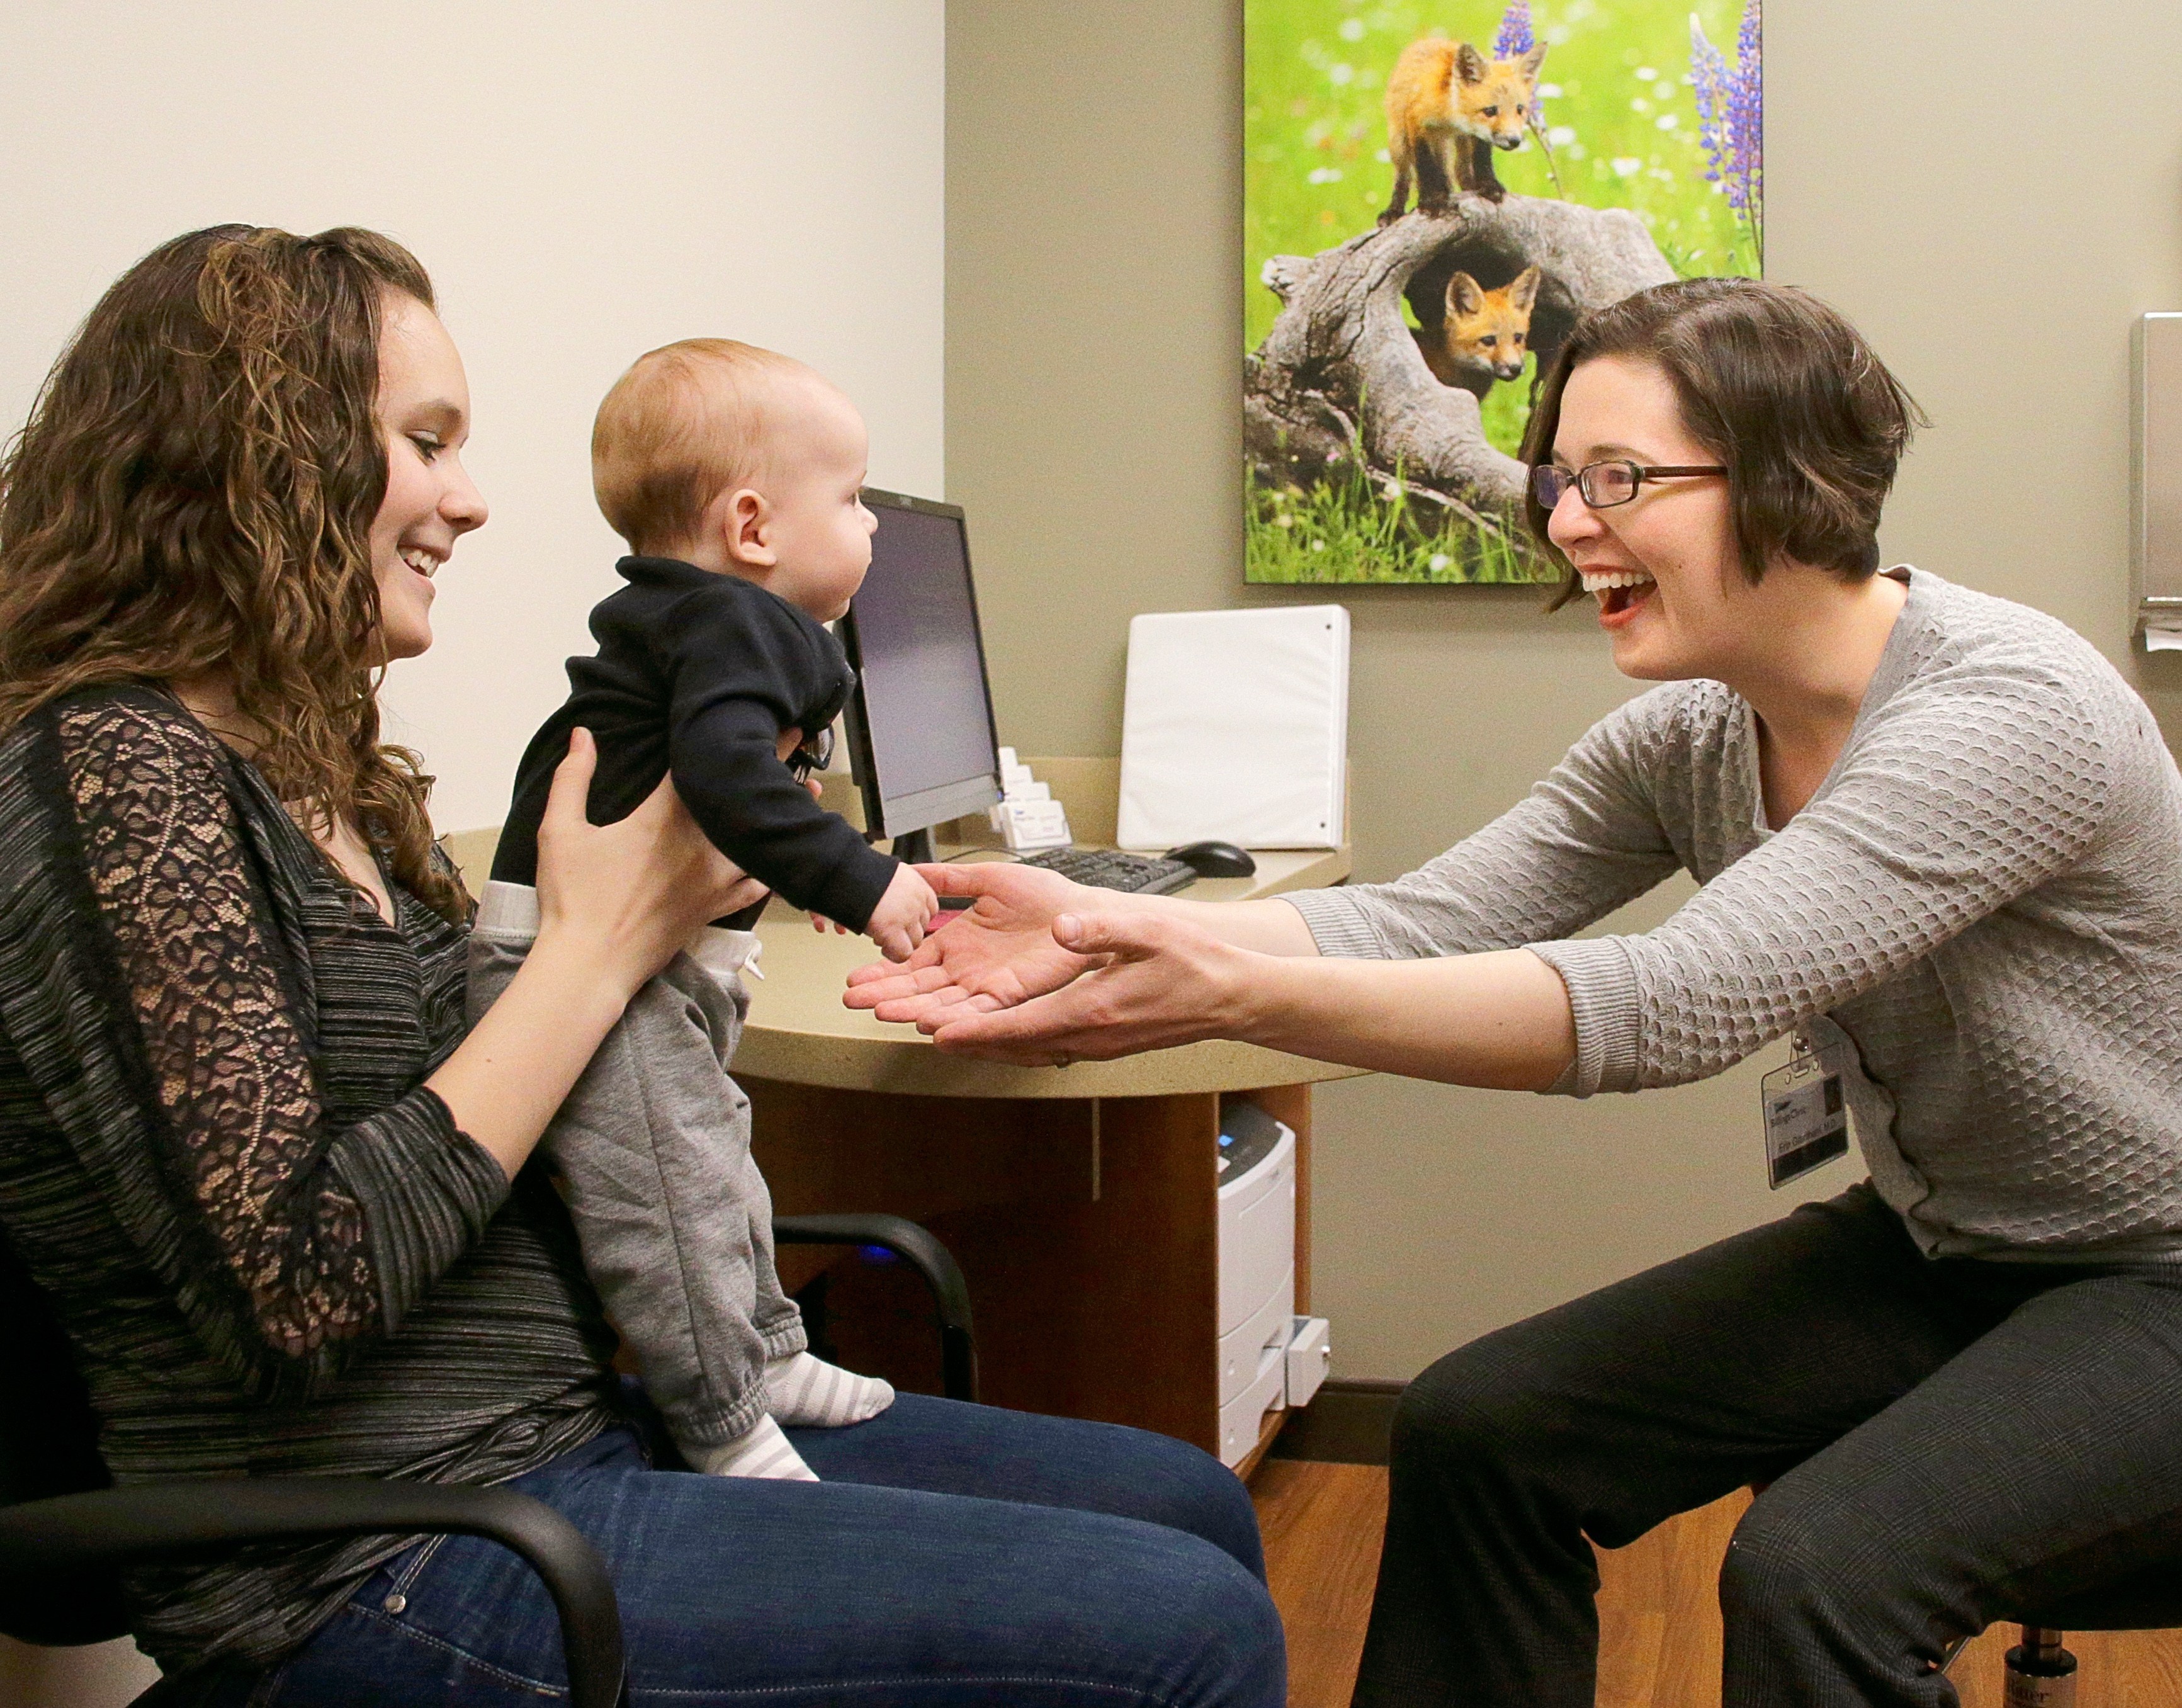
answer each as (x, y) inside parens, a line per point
(1340, 375)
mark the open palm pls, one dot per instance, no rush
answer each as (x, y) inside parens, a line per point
(996, 954)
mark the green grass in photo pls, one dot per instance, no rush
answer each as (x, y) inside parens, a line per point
(1347, 529)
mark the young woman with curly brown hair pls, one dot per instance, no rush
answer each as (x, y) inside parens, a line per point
(279, 1200)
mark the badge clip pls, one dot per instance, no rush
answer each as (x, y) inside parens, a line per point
(1805, 1115)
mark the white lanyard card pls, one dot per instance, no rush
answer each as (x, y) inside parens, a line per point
(1805, 1115)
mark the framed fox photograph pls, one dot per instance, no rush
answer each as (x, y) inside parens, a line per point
(1433, 191)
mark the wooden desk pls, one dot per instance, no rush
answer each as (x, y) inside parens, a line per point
(1079, 1200)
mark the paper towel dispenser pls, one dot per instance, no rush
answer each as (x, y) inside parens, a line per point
(2155, 483)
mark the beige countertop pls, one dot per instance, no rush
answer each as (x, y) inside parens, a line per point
(799, 1032)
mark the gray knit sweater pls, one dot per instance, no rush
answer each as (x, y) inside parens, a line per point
(1984, 897)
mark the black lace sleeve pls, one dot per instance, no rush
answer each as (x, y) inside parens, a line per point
(262, 1191)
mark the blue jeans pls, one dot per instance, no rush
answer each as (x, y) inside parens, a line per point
(951, 1554)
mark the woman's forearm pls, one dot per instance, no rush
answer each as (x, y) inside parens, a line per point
(1270, 927)
(1500, 1020)
(525, 1055)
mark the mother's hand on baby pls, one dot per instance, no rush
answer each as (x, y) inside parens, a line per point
(631, 893)
(999, 953)
(1154, 981)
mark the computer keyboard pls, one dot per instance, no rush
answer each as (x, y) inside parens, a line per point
(1109, 868)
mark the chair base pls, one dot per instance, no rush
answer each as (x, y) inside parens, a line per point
(2041, 1674)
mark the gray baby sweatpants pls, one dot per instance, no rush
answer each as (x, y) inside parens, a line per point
(652, 1149)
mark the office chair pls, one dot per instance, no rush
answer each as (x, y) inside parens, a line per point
(914, 1246)
(66, 1534)
(2041, 1673)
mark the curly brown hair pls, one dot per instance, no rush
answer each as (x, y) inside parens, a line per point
(194, 492)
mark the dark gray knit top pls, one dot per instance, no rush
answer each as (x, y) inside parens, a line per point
(271, 1249)
(1983, 898)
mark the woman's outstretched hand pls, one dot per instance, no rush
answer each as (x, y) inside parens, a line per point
(1154, 981)
(995, 954)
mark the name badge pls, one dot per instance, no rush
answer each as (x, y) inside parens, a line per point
(1805, 1115)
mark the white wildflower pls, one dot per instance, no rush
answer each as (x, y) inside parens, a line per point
(1561, 135)
(1324, 174)
(1626, 166)
(1352, 30)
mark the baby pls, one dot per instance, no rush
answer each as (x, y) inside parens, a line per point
(735, 474)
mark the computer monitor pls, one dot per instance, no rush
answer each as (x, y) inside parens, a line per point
(921, 737)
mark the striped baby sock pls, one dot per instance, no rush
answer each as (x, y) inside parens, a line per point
(804, 1389)
(760, 1450)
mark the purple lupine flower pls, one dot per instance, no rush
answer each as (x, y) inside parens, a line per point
(1709, 77)
(1745, 116)
(1515, 38)
(1731, 119)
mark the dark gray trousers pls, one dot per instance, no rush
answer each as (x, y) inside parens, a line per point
(1946, 1442)
(652, 1150)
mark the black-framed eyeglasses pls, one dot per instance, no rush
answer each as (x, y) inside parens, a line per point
(816, 754)
(1604, 485)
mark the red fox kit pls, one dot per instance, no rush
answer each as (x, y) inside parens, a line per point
(1447, 109)
(1486, 334)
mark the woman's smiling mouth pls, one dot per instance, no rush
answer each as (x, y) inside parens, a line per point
(1619, 591)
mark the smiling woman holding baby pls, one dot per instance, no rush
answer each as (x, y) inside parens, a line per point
(1939, 841)
(289, 1208)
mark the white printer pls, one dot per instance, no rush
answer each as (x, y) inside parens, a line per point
(1269, 1357)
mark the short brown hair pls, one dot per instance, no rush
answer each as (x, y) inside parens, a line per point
(686, 422)
(1778, 386)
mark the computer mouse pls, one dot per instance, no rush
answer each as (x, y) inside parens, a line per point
(1215, 859)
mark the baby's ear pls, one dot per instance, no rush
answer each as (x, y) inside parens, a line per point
(1463, 295)
(744, 517)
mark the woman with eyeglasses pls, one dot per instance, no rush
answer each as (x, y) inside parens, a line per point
(1939, 845)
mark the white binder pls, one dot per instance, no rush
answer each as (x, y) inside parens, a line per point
(1235, 726)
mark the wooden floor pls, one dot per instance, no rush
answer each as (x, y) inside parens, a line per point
(1659, 1621)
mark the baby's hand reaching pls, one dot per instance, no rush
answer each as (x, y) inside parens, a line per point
(905, 912)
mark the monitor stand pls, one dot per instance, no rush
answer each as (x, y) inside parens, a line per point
(913, 847)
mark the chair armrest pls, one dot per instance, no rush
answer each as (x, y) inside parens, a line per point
(112, 1528)
(916, 1246)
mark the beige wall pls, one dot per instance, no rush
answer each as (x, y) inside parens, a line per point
(584, 182)
(1093, 373)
